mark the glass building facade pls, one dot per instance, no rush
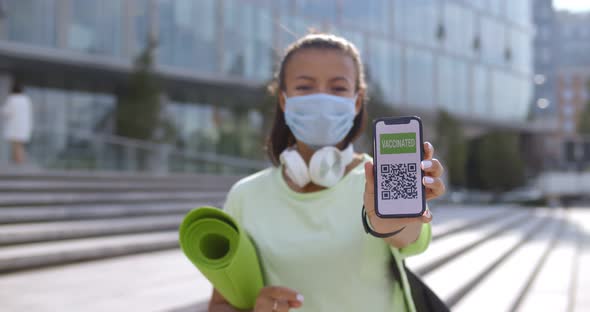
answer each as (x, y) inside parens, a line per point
(471, 58)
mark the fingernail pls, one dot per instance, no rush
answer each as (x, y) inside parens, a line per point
(300, 297)
(428, 180)
(429, 145)
(427, 214)
(426, 164)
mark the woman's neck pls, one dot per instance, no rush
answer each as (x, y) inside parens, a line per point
(306, 152)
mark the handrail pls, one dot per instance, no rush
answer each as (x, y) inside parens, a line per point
(161, 151)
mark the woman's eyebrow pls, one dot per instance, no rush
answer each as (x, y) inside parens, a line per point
(339, 78)
(305, 78)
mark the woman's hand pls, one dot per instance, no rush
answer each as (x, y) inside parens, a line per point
(434, 188)
(276, 298)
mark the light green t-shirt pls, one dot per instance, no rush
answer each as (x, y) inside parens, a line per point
(315, 244)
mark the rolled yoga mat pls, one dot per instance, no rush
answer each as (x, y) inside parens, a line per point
(216, 244)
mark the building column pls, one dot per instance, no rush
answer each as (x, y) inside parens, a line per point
(6, 80)
(63, 21)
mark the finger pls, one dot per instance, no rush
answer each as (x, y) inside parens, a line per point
(426, 216)
(369, 180)
(285, 294)
(432, 168)
(428, 150)
(272, 304)
(434, 187)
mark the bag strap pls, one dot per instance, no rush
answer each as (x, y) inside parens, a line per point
(425, 300)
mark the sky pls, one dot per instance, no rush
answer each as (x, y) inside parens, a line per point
(572, 5)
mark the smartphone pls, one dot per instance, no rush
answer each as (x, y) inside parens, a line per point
(398, 150)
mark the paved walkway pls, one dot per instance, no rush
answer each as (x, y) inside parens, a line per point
(166, 281)
(160, 281)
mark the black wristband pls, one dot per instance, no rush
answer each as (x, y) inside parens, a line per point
(369, 230)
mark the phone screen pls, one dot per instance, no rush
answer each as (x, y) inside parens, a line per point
(398, 151)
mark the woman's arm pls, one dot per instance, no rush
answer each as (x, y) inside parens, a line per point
(219, 304)
(409, 235)
(270, 298)
(410, 227)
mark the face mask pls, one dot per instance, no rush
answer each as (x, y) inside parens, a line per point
(320, 119)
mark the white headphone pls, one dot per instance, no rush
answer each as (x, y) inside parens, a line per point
(326, 166)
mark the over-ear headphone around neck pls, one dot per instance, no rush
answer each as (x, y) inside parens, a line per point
(326, 166)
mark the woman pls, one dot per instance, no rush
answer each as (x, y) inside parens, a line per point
(313, 251)
(18, 122)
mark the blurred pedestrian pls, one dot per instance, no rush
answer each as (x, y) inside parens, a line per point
(18, 125)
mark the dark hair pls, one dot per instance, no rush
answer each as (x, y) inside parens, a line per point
(281, 136)
(17, 87)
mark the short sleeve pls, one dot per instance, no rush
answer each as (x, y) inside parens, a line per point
(232, 205)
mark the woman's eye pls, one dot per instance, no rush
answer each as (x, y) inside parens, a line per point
(340, 89)
(303, 88)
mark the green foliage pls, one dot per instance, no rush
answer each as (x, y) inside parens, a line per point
(584, 123)
(498, 162)
(452, 145)
(376, 107)
(138, 111)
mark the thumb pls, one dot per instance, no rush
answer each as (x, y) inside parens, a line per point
(369, 181)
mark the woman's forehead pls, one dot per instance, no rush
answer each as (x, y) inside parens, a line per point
(320, 64)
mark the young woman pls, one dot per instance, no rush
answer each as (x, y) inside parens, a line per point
(305, 221)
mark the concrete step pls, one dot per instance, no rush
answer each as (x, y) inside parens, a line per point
(102, 176)
(37, 255)
(35, 214)
(53, 231)
(157, 281)
(519, 268)
(166, 281)
(552, 287)
(478, 262)
(580, 301)
(45, 199)
(107, 186)
(446, 249)
(461, 219)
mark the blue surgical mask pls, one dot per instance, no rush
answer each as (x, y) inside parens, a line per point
(320, 119)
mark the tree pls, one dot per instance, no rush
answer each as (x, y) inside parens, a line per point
(498, 162)
(138, 111)
(376, 107)
(452, 145)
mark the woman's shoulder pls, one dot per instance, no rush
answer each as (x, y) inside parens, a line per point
(253, 182)
(359, 170)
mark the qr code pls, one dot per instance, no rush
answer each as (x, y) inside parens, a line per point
(399, 181)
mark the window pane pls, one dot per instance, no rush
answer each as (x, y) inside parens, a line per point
(187, 34)
(95, 27)
(371, 15)
(481, 95)
(418, 20)
(459, 28)
(453, 85)
(493, 41)
(418, 73)
(31, 21)
(384, 69)
(324, 10)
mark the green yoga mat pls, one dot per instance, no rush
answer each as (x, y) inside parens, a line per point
(222, 251)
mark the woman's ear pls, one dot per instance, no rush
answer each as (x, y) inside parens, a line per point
(360, 97)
